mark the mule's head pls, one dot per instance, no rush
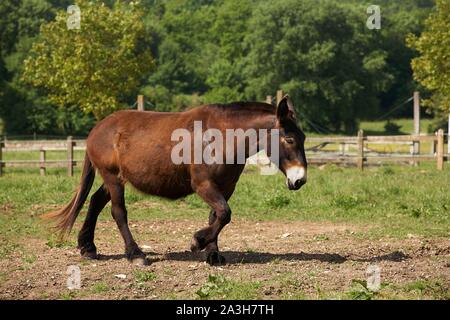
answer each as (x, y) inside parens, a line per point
(292, 159)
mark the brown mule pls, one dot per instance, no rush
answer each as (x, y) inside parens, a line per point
(136, 147)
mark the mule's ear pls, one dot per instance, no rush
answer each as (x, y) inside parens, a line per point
(285, 108)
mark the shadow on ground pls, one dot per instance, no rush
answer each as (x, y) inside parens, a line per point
(236, 257)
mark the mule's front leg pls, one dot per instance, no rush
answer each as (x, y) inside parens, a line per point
(207, 237)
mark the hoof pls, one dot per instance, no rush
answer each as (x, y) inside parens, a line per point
(90, 255)
(136, 256)
(214, 258)
(140, 261)
(198, 242)
(195, 246)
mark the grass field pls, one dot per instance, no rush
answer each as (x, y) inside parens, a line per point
(314, 243)
(405, 126)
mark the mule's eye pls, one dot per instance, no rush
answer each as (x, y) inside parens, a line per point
(289, 140)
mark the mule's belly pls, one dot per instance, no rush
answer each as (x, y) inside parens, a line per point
(172, 187)
(153, 172)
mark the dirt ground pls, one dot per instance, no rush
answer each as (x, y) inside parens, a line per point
(286, 259)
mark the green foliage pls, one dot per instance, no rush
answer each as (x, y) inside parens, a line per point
(322, 55)
(432, 67)
(277, 200)
(387, 170)
(359, 291)
(96, 67)
(54, 242)
(435, 288)
(100, 287)
(220, 287)
(388, 199)
(346, 202)
(144, 276)
(392, 128)
(320, 52)
(70, 295)
(405, 126)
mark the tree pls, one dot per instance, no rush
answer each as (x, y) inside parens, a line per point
(432, 67)
(225, 79)
(322, 55)
(96, 67)
(184, 52)
(320, 52)
(18, 27)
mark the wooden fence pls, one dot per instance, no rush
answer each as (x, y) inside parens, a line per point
(361, 155)
(364, 155)
(43, 147)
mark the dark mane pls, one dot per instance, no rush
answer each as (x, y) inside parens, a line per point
(245, 106)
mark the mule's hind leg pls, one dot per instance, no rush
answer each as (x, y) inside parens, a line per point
(119, 213)
(86, 236)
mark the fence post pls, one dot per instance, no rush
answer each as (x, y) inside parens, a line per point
(1, 157)
(42, 161)
(433, 147)
(269, 99)
(69, 156)
(342, 149)
(416, 144)
(360, 156)
(279, 96)
(140, 102)
(440, 149)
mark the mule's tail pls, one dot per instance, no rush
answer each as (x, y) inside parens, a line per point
(66, 217)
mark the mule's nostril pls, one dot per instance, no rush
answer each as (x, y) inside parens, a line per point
(299, 183)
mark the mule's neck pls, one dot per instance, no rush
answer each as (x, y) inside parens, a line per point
(262, 122)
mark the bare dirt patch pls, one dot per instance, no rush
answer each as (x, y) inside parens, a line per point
(286, 259)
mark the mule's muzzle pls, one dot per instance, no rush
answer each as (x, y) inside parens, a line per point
(297, 184)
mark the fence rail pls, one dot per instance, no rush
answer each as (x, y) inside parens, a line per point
(361, 156)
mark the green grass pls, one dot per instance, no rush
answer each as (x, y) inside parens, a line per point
(70, 295)
(405, 126)
(219, 287)
(100, 287)
(435, 289)
(431, 289)
(144, 276)
(34, 155)
(286, 285)
(392, 201)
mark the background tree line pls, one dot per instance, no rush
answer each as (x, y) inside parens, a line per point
(183, 53)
